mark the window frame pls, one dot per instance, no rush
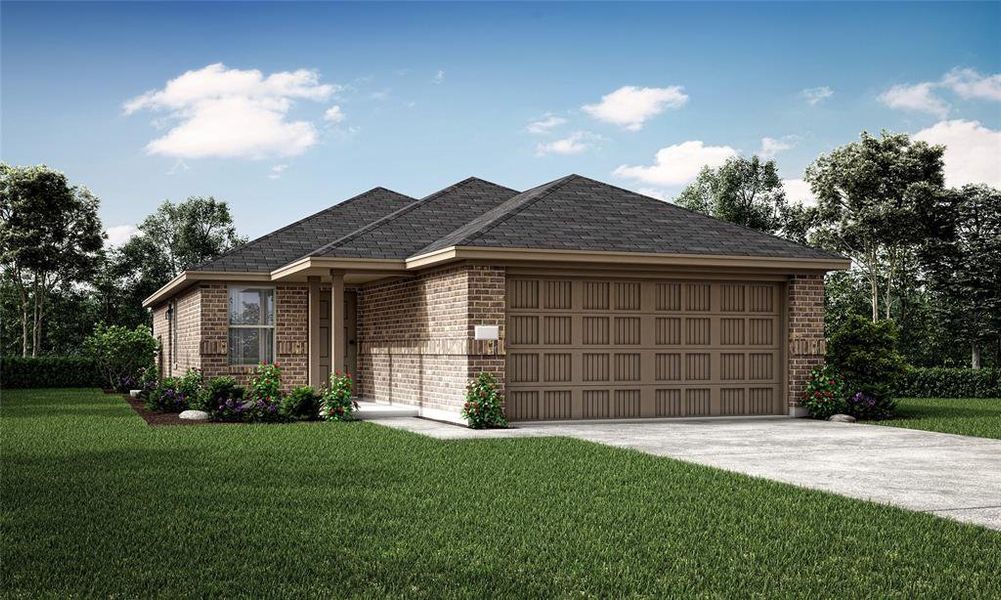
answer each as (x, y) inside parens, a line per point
(230, 326)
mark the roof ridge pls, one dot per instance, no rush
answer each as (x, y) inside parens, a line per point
(705, 216)
(396, 214)
(507, 214)
(294, 223)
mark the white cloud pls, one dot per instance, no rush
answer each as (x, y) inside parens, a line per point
(798, 190)
(918, 97)
(772, 146)
(678, 164)
(816, 95)
(220, 112)
(631, 107)
(439, 77)
(545, 125)
(653, 193)
(969, 84)
(577, 142)
(276, 171)
(179, 167)
(334, 114)
(972, 153)
(119, 234)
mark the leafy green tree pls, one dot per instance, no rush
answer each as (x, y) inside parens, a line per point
(871, 194)
(50, 238)
(745, 191)
(962, 259)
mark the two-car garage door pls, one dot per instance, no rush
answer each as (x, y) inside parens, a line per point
(618, 348)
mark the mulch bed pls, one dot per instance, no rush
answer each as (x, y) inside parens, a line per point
(157, 419)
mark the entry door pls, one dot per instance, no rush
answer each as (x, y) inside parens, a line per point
(619, 348)
(349, 333)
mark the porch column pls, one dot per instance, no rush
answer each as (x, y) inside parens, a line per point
(314, 333)
(336, 321)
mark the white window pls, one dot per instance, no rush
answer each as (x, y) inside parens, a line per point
(251, 325)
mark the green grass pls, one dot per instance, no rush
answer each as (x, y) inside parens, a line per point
(96, 503)
(964, 416)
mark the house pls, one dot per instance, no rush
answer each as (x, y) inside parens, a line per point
(587, 301)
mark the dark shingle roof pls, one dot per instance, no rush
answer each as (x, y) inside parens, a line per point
(302, 237)
(401, 234)
(577, 213)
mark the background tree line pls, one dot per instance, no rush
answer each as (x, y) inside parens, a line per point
(925, 256)
(59, 278)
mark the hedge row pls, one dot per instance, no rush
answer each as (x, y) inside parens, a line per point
(950, 383)
(49, 371)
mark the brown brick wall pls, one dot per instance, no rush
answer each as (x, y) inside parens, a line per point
(415, 335)
(203, 334)
(806, 331)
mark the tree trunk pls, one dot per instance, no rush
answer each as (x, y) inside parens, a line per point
(24, 322)
(975, 356)
(874, 287)
(37, 325)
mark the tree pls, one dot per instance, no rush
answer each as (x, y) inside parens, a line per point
(50, 237)
(962, 259)
(870, 197)
(174, 238)
(745, 191)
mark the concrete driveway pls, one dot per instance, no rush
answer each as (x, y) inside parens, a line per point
(948, 475)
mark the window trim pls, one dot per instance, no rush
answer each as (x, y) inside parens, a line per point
(230, 326)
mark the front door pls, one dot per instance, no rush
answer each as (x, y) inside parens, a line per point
(349, 333)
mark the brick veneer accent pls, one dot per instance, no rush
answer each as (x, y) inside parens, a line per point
(806, 331)
(202, 318)
(415, 336)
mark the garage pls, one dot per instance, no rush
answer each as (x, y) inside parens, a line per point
(611, 348)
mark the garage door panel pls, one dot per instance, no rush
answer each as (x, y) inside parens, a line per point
(623, 349)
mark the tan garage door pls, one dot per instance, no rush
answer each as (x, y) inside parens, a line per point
(617, 348)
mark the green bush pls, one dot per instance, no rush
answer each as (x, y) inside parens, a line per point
(484, 407)
(121, 354)
(49, 371)
(301, 404)
(214, 394)
(338, 401)
(266, 382)
(950, 383)
(175, 394)
(824, 395)
(865, 354)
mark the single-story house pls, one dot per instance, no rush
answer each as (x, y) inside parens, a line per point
(587, 301)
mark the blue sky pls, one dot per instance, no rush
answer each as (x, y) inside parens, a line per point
(520, 94)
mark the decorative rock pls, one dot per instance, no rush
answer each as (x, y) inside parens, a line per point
(194, 415)
(841, 418)
(134, 393)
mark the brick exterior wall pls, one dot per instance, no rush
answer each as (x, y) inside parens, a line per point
(806, 331)
(202, 318)
(415, 336)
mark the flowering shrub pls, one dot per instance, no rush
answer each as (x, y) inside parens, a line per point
(338, 401)
(870, 408)
(174, 394)
(215, 393)
(301, 404)
(145, 382)
(266, 381)
(484, 407)
(824, 395)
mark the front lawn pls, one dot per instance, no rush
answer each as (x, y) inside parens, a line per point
(97, 503)
(964, 416)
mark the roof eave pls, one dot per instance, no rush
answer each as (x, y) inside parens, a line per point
(323, 265)
(189, 278)
(455, 253)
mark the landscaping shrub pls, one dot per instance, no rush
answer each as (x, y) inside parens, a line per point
(301, 404)
(949, 383)
(215, 393)
(824, 395)
(866, 407)
(338, 401)
(49, 371)
(865, 355)
(266, 382)
(121, 353)
(484, 405)
(175, 394)
(145, 382)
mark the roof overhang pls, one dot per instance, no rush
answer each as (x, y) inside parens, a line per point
(189, 278)
(529, 255)
(308, 266)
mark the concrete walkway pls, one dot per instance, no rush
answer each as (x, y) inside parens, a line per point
(947, 475)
